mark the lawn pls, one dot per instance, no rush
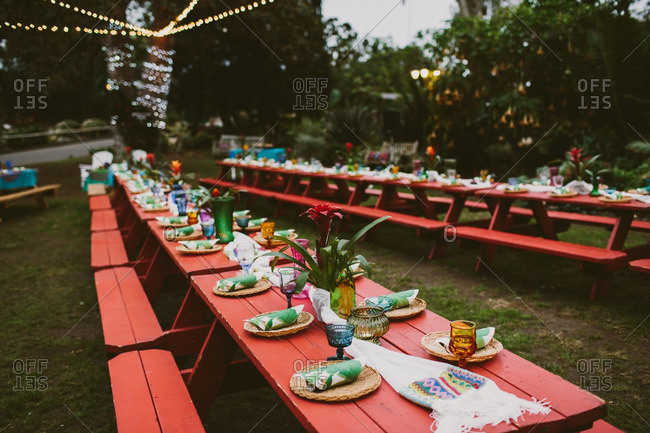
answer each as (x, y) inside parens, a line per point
(52, 335)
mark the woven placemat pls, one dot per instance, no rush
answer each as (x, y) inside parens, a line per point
(194, 236)
(417, 306)
(161, 224)
(368, 381)
(184, 250)
(158, 209)
(429, 344)
(567, 195)
(261, 286)
(274, 242)
(609, 200)
(303, 321)
(515, 191)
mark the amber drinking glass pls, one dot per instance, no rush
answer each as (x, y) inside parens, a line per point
(192, 216)
(484, 174)
(370, 323)
(268, 229)
(462, 340)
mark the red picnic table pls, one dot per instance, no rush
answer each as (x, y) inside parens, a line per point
(605, 260)
(383, 410)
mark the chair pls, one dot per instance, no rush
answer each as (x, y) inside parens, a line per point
(99, 160)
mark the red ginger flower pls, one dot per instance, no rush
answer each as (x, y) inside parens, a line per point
(150, 158)
(575, 154)
(323, 215)
(128, 150)
(214, 192)
(349, 146)
(175, 167)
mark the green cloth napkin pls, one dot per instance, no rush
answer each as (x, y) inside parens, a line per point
(322, 378)
(199, 245)
(484, 336)
(236, 283)
(184, 231)
(394, 300)
(256, 222)
(240, 213)
(277, 319)
(285, 233)
(172, 220)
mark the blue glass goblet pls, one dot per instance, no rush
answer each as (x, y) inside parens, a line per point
(208, 228)
(242, 222)
(339, 336)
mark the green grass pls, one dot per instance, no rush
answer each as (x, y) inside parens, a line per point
(539, 305)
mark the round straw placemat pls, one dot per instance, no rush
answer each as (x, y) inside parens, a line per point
(417, 306)
(184, 250)
(452, 185)
(274, 242)
(194, 236)
(368, 381)
(158, 209)
(609, 200)
(567, 195)
(176, 226)
(429, 344)
(515, 191)
(259, 287)
(303, 321)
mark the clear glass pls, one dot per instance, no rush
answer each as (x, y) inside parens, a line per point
(287, 283)
(462, 340)
(451, 173)
(339, 336)
(370, 323)
(304, 293)
(245, 256)
(558, 181)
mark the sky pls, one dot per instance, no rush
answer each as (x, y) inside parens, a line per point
(399, 19)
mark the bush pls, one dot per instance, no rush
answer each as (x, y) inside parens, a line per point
(65, 124)
(203, 140)
(93, 123)
(309, 140)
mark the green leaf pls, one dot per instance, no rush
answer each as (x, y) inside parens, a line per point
(280, 255)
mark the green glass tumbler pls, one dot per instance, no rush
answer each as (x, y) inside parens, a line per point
(222, 209)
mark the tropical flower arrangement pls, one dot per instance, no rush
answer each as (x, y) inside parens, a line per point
(331, 269)
(432, 158)
(577, 165)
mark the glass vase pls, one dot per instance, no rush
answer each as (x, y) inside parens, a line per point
(343, 299)
(369, 323)
(222, 208)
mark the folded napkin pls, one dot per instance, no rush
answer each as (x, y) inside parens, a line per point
(474, 183)
(285, 233)
(256, 222)
(393, 300)
(277, 319)
(483, 338)
(640, 197)
(240, 238)
(172, 220)
(561, 191)
(240, 213)
(322, 378)
(183, 231)
(579, 186)
(237, 283)
(199, 245)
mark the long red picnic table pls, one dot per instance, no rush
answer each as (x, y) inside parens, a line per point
(276, 359)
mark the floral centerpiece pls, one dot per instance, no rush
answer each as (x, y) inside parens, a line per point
(335, 259)
(577, 165)
(433, 159)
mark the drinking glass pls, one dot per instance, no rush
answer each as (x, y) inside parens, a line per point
(558, 181)
(245, 256)
(268, 229)
(304, 293)
(242, 222)
(339, 336)
(462, 340)
(395, 170)
(192, 216)
(370, 323)
(484, 174)
(451, 173)
(512, 181)
(287, 283)
(207, 227)
(181, 203)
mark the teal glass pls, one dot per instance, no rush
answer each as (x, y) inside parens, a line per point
(339, 336)
(222, 209)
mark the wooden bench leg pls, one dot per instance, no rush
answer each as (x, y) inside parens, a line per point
(600, 286)
(155, 277)
(211, 367)
(41, 201)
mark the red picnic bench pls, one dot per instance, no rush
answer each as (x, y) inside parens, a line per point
(107, 250)
(102, 220)
(642, 265)
(150, 395)
(99, 202)
(601, 426)
(603, 261)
